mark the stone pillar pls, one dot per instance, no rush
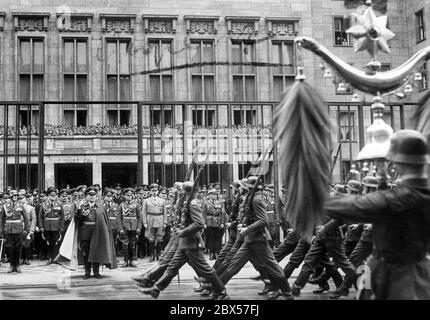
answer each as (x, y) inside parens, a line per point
(97, 173)
(49, 174)
(145, 176)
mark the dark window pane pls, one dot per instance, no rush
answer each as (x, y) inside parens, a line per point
(38, 57)
(82, 88)
(124, 58)
(236, 56)
(196, 88)
(154, 82)
(249, 88)
(25, 56)
(208, 56)
(237, 118)
(38, 93)
(112, 88)
(24, 87)
(125, 87)
(278, 87)
(237, 88)
(248, 57)
(195, 56)
(289, 58)
(112, 117)
(209, 88)
(111, 57)
(82, 56)
(167, 88)
(69, 56)
(277, 57)
(155, 117)
(69, 88)
(69, 118)
(124, 117)
(81, 118)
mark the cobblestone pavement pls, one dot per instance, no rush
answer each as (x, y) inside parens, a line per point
(54, 282)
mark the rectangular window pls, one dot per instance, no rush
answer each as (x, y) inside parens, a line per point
(27, 117)
(385, 67)
(75, 76)
(284, 75)
(420, 28)
(162, 116)
(244, 116)
(341, 38)
(160, 56)
(244, 73)
(118, 81)
(31, 68)
(422, 84)
(343, 87)
(202, 76)
(204, 117)
(347, 126)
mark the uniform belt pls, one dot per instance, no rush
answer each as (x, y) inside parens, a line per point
(270, 212)
(154, 214)
(13, 221)
(130, 218)
(53, 219)
(112, 218)
(89, 223)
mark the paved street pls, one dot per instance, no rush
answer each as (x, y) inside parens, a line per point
(40, 281)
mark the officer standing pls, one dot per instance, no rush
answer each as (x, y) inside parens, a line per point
(27, 239)
(142, 193)
(69, 208)
(12, 214)
(51, 222)
(117, 198)
(112, 211)
(215, 219)
(129, 222)
(154, 215)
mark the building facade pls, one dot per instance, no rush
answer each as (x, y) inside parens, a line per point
(190, 65)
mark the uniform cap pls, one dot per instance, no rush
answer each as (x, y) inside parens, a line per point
(370, 181)
(22, 192)
(213, 191)
(127, 190)
(90, 189)
(187, 186)
(13, 193)
(153, 185)
(62, 191)
(410, 147)
(51, 190)
(107, 191)
(354, 185)
(118, 186)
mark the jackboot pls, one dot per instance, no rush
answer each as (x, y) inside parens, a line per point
(126, 258)
(87, 267)
(96, 268)
(154, 291)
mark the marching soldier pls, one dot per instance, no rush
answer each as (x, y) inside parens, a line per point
(273, 219)
(189, 250)
(129, 223)
(112, 211)
(12, 214)
(51, 222)
(154, 215)
(27, 240)
(354, 230)
(215, 219)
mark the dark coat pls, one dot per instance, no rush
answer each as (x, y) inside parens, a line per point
(191, 227)
(401, 236)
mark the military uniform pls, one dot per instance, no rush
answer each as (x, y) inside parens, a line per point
(27, 240)
(13, 229)
(215, 219)
(256, 245)
(112, 211)
(273, 221)
(154, 216)
(51, 224)
(69, 209)
(189, 250)
(129, 221)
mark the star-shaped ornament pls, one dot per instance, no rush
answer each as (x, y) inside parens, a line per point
(371, 32)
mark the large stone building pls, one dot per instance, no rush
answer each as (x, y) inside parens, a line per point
(141, 51)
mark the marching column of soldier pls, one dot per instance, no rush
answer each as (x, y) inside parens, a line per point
(173, 226)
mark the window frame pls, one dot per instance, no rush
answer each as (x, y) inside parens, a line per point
(420, 26)
(203, 74)
(160, 75)
(335, 30)
(242, 74)
(423, 84)
(353, 139)
(284, 75)
(121, 106)
(75, 107)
